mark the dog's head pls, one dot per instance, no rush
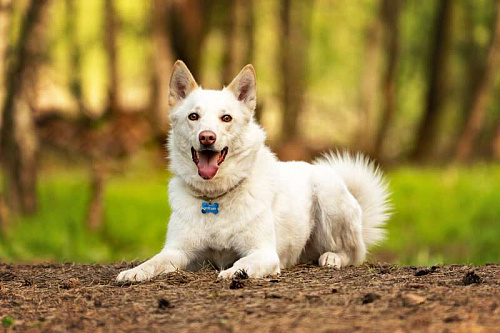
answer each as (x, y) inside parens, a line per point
(214, 137)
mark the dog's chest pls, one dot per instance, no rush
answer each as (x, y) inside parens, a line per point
(224, 236)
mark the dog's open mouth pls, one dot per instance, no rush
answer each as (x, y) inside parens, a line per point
(208, 161)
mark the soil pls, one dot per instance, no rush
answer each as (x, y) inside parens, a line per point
(372, 297)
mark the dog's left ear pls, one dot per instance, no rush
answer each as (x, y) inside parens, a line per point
(244, 87)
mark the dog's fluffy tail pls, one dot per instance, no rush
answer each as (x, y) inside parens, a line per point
(366, 183)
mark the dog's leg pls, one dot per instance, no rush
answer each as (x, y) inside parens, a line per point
(168, 260)
(338, 236)
(257, 264)
(258, 249)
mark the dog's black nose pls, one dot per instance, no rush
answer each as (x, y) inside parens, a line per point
(207, 138)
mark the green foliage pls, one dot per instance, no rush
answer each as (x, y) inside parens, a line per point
(441, 216)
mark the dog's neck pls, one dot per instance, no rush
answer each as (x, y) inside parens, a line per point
(214, 196)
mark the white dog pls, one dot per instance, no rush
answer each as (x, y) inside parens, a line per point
(235, 205)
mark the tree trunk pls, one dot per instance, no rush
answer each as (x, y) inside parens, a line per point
(96, 205)
(369, 85)
(18, 140)
(95, 208)
(481, 95)
(249, 30)
(291, 91)
(390, 19)
(162, 62)
(239, 29)
(4, 216)
(189, 29)
(427, 130)
(75, 83)
(5, 13)
(476, 61)
(249, 37)
(495, 144)
(110, 33)
(294, 20)
(230, 57)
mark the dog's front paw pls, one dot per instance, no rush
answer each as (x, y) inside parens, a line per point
(330, 259)
(136, 274)
(144, 272)
(250, 271)
(229, 273)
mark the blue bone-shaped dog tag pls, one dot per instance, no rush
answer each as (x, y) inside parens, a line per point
(210, 208)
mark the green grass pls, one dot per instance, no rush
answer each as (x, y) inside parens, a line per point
(441, 216)
(135, 220)
(445, 216)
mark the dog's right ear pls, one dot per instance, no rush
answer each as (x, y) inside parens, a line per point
(182, 83)
(244, 87)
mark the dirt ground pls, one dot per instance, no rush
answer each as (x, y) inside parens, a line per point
(372, 297)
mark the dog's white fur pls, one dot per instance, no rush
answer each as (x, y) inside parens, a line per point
(272, 214)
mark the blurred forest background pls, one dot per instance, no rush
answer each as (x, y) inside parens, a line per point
(414, 84)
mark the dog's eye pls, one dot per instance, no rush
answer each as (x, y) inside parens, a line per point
(226, 118)
(193, 116)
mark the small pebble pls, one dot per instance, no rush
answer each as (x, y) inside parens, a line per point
(422, 272)
(412, 299)
(471, 277)
(369, 298)
(164, 304)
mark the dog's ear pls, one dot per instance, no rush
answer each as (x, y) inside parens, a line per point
(181, 83)
(244, 87)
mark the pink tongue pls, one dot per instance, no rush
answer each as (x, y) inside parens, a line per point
(207, 166)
